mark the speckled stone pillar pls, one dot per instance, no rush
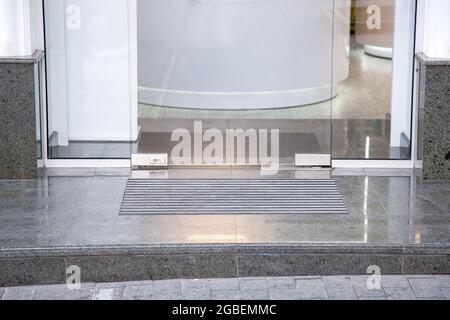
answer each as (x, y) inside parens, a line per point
(434, 118)
(19, 100)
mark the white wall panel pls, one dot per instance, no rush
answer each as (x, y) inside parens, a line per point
(437, 29)
(94, 63)
(403, 68)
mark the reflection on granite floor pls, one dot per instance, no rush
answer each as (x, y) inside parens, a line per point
(81, 208)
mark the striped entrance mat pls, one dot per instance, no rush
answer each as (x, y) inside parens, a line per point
(194, 197)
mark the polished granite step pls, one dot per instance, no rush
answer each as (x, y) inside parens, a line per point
(71, 217)
(161, 262)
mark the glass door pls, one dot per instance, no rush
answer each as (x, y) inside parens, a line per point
(373, 106)
(238, 82)
(229, 82)
(90, 83)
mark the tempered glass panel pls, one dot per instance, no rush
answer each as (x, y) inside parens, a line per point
(260, 70)
(38, 105)
(88, 78)
(276, 65)
(372, 107)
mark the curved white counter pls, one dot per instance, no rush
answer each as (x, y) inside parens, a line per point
(377, 42)
(241, 54)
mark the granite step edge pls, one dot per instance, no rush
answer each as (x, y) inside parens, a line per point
(168, 249)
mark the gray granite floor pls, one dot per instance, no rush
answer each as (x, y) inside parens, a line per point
(73, 207)
(424, 287)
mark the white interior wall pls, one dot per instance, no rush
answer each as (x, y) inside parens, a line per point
(93, 81)
(133, 66)
(403, 68)
(56, 72)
